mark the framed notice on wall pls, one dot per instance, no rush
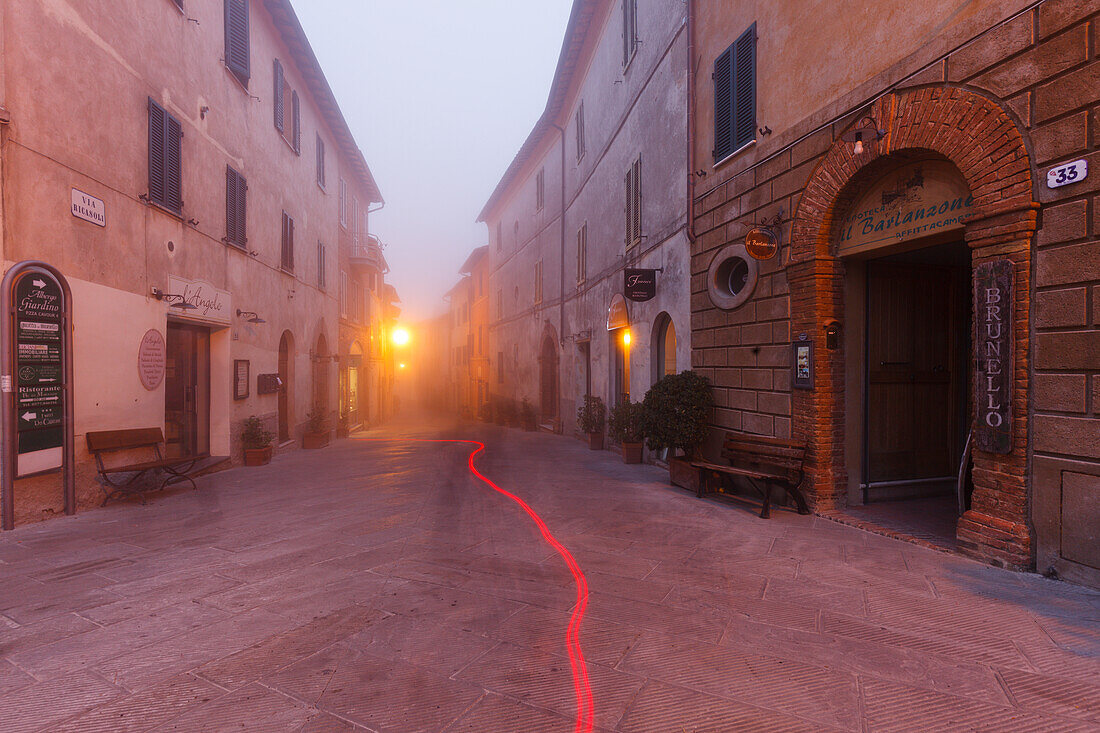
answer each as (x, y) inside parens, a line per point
(802, 364)
(240, 378)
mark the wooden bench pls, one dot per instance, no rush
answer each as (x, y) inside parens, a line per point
(759, 459)
(136, 439)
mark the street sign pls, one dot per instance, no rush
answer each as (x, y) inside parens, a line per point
(639, 285)
(1067, 173)
(39, 398)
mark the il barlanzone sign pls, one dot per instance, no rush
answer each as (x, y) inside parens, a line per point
(993, 303)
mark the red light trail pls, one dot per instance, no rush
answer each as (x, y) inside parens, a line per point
(581, 688)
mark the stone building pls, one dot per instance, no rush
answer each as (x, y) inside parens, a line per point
(599, 186)
(192, 149)
(468, 371)
(929, 325)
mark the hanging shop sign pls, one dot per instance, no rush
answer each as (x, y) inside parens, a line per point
(617, 314)
(212, 305)
(993, 304)
(913, 201)
(151, 359)
(89, 208)
(639, 285)
(761, 243)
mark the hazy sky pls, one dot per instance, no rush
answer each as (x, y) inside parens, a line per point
(440, 94)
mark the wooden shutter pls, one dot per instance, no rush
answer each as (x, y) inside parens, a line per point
(320, 161)
(744, 88)
(636, 231)
(236, 214)
(287, 259)
(629, 189)
(321, 265)
(297, 112)
(723, 105)
(630, 9)
(236, 39)
(278, 96)
(157, 122)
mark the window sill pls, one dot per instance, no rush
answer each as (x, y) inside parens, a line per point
(289, 144)
(719, 163)
(164, 209)
(235, 78)
(630, 61)
(322, 187)
(286, 271)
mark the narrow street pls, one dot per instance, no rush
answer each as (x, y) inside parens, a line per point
(379, 585)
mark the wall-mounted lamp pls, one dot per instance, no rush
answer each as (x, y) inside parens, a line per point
(865, 131)
(251, 316)
(175, 301)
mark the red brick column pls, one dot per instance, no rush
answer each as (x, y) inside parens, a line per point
(982, 141)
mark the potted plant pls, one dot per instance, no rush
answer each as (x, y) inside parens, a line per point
(590, 419)
(676, 411)
(626, 423)
(256, 441)
(317, 432)
(527, 417)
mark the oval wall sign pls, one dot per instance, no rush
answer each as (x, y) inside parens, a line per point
(761, 244)
(151, 355)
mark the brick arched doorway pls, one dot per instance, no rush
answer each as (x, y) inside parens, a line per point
(984, 144)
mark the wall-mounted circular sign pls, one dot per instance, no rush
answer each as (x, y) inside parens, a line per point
(151, 356)
(761, 243)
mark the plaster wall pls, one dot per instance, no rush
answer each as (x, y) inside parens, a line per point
(639, 110)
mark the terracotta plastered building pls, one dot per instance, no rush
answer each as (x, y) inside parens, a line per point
(928, 324)
(191, 149)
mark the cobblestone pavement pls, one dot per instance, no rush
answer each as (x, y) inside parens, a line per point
(378, 586)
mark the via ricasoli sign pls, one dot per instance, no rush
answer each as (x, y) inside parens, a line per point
(993, 344)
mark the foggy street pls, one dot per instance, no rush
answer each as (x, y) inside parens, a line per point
(378, 585)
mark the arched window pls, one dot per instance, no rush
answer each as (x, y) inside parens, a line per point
(664, 347)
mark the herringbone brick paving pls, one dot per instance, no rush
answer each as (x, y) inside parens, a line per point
(376, 586)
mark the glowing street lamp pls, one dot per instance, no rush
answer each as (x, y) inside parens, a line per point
(400, 337)
(626, 337)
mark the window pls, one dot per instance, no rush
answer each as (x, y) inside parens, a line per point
(288, 121)
(343, 294)
(321, 280)
(165, 164)
(500, 367)
(500, 304)
(735, 96)
(578, 125)
(357, 300)
(236, 40)
(634, 203)
(343, 203)
(582, 253)
(630, 30)
(480, 340)
(355, 219)
(664, 347)
(500, 237)
(320, 162)
(235, 208)
(538, 282)
(515, 234)
(286, 261)
(540, 189)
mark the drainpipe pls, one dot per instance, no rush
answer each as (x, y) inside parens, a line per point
(691, 122)
(561, 228)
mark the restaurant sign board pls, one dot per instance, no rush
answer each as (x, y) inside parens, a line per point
(39, 371)
(212, 305)
(993, 304)
(639, 285)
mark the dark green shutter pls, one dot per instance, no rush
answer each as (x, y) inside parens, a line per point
(165, 162)
(236, 39)
(157, 117)
(744, 88)
(278, 96)
(297, 116)
(723, 105)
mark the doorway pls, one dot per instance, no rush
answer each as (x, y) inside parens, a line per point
(915, 382)
(548, 379)
(620, 368)
(187, 390)
(286, 362)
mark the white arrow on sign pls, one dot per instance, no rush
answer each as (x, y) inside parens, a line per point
(28, 416)
(38, 283)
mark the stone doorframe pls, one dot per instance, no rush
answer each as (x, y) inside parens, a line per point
(984, 143)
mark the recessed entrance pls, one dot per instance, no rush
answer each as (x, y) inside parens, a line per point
(915, 388)
(187, 390)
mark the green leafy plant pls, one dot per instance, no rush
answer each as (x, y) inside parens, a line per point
(676, 411)
(316, 421)
(254, 435)
(626, 423)
(591, 415)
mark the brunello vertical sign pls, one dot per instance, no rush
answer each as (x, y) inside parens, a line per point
(39, 372)
(993, 304)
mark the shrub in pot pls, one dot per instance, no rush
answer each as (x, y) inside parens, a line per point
(256, 440)
(676, 411)
(626, 424)
(317, 432)
(527, 415)
(590, 419)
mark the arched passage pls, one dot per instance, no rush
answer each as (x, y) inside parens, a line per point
(548, 376)
(983, 143)
(286, 377)
(663, 344)
(321, 365)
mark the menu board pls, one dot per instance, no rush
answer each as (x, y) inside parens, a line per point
(39, 398)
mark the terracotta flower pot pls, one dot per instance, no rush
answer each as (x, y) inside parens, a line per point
(632, 452)
(313, 441)
(257, 456)
(682, 473)
(595, 441)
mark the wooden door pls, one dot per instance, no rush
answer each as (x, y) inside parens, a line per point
(284, 388)
(914, 386)
(186, 390)
(548, 379)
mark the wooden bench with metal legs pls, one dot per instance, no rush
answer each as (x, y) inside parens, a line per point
(759, 459)
(151, 439)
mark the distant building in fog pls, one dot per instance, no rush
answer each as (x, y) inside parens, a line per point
(599, 186)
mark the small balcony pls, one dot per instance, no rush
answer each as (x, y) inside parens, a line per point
(367, 253)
